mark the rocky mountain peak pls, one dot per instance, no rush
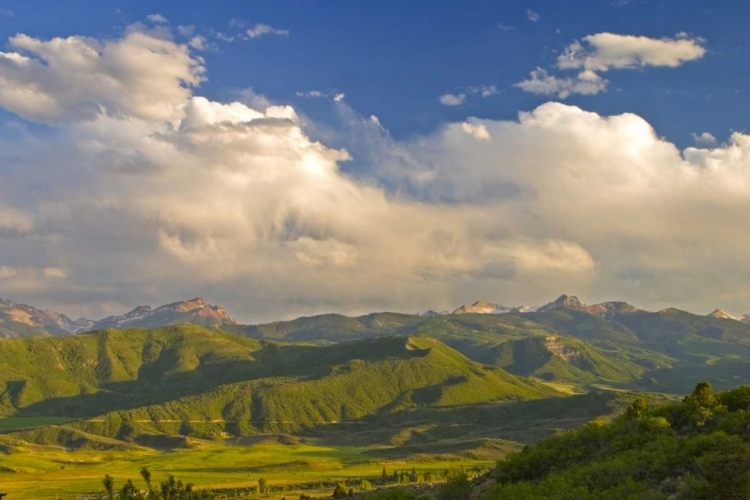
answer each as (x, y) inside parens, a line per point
(609, 309)
(186, 305)
(718, 313)
(569, 301)
(482, 307)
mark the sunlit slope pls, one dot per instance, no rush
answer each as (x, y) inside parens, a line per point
(362, 378)
(561, 358)
(88, 373)
(490, 338)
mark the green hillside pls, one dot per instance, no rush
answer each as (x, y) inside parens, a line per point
(668, 351)
(684, 335)
(362, 378)
(695, 449)
(192, 381)
(560, 358)
(515, 422)
(620, 357)
(88, 374)
(335, 327)
(585, 326)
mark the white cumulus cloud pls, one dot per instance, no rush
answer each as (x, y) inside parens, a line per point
(704, 139)
(126, 202)
(260, 30)
(452, 99)
(157, 19)
(541, 82)
(478, 131)
(78, 78)
(604, 51)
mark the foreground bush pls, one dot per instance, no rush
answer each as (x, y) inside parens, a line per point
(698, 449)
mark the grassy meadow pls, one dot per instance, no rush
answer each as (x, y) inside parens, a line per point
(41, 472)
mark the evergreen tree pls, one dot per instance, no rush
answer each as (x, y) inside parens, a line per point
(109, 486)
(262, 486)
(340, 491)
(702, 396)
(129, 491)
(637, 409)
(457, 486)
(146, 475)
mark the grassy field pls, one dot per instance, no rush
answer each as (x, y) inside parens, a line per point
(42, 473)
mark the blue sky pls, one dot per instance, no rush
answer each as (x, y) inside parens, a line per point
(297, 157)
(394, 58)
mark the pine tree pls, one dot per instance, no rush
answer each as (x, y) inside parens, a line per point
(262, 486)
(109, 486)
(146, 475)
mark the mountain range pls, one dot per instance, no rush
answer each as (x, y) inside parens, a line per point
(190, 369)
(564, 340)
(21, 320)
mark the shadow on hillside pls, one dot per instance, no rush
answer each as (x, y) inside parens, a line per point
(157, 383)
(518, 421)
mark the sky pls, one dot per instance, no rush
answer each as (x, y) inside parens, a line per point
(287, 158)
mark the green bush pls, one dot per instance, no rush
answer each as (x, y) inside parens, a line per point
(456, 487)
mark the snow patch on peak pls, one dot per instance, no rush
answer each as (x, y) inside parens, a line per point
(718, 313)
(569, 301)
(482, 307)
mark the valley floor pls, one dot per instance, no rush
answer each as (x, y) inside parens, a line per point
(41, 473)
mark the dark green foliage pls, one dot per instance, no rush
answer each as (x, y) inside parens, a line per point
(391, 494)
(341, 491)
(129, 491)
(456, 487)
(172, 489)
(696, 449)
(109, 486)
(637, 409)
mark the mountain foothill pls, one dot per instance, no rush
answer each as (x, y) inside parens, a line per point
(161, 377)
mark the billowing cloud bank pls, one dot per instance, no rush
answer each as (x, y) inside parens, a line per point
(139, 195)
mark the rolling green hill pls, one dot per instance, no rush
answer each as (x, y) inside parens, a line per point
(369, 377)
(683, 335)
(621, 344)
(334, 327)
(560, 358)
(90, 373)
(192, 381)
(614, 354)
(666, 351)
